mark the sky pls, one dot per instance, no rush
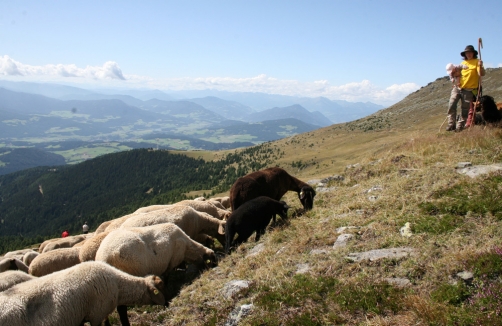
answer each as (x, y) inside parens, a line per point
(357, 50)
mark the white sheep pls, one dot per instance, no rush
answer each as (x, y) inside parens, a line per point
(11, 278)
(155, 249)
(225, 201)
(29, 256)
(17, 253)
(200, 206)
(54, 260)
(45, 243)
(12, 264)
(64, 242)
(192, 222)
(87, 292)
(91, 246)
(102, 227)
(116, 223)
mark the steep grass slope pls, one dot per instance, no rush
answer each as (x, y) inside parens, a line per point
(397, 168)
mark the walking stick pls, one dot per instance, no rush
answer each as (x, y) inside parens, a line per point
(472, 109)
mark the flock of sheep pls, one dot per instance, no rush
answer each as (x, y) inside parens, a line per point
(83, 278)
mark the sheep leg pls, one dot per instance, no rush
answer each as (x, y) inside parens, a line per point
(124, 320)
(259, 233)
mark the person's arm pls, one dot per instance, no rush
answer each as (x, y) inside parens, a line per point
(481, 68)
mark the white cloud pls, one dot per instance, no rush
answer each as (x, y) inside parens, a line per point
(109, 70)
(111, 75)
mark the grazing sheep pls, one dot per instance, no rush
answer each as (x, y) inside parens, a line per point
(67, 242)
(45, 243)
(224, 201)
(188, 219)
(17, 253)
(200, 206)
(217, 204)
(11, 278)
(12, 264)
(29, 256)
(489, 110)
(117, 223)
(253, 215)
(102, 227)
(54, 260)
(91, 246)
(87, 292)
(273, 183)
(153, 249)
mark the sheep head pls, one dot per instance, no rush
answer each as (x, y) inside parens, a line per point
(155, 287)
(284, 213)
(306, 196)
(210, 260)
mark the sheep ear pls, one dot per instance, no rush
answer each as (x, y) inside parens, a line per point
(221, 228)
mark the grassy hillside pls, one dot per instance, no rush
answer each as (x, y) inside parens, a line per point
(397, 168)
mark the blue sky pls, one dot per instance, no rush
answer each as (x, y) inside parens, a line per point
(376, 51)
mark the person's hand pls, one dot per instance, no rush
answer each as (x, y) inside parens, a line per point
(480, 63)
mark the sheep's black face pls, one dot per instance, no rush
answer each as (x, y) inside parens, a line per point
(306, 196)
(284, 212)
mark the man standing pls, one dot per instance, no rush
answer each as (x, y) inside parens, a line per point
(85, 228)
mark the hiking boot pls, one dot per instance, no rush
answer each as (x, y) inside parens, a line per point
(460, 126)
(451, 122)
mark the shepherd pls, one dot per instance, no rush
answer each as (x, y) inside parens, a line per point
(466, 90)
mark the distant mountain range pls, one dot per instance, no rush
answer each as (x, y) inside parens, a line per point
(32, 114)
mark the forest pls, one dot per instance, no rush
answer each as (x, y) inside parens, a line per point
(39, 203)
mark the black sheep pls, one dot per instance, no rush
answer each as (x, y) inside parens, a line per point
(489, 110)
(253, 215)
(273, 183)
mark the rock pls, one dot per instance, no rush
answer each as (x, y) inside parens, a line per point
(462, 165)
(342, 240)
(466, 276)
(406, 230)
(374, 188)
(353, 166)
(334, 177)
(302, 268)
(322, 189)
(476, 170)
(399, 282)
(237, 314)
(343, 228)
(313, 181)
(231, 289)
(377, 254)
(372, 198)
(280, 251)
(256, 250)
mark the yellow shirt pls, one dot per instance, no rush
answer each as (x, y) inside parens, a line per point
(470, 76)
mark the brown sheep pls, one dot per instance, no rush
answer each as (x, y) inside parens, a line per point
(253, 215)
(273, 183)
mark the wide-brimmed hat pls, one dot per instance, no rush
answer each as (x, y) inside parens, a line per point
(469, 48)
